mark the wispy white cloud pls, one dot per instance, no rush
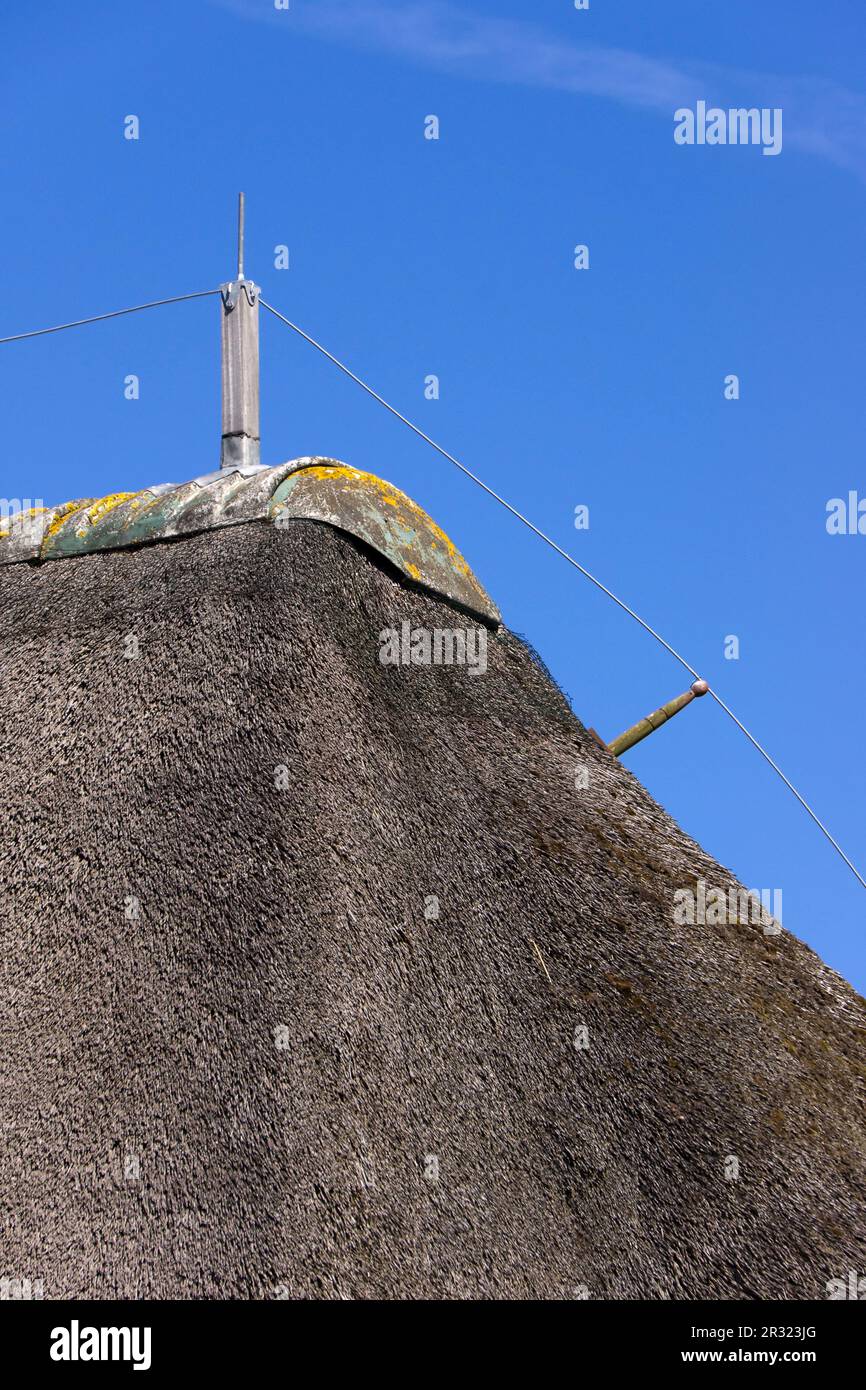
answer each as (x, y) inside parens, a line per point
(820, 116)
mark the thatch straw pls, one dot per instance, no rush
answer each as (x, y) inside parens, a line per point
(266, 1043)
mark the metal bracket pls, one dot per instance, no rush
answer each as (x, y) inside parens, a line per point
(232, 288)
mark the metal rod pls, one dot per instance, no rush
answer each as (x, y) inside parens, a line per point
(240, 364)
(645, 727)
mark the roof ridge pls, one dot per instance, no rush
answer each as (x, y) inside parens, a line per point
(313, 488)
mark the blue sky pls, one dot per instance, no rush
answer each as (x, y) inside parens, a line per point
(411, 257)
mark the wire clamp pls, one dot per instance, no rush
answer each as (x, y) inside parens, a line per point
(232, 288)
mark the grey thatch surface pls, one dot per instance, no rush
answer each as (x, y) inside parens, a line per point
(280, 1041)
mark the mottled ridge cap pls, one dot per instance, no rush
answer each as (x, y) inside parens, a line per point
(309, 489)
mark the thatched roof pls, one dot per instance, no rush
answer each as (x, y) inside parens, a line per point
(323, 977)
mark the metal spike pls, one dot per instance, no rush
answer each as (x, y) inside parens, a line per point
(240, 236)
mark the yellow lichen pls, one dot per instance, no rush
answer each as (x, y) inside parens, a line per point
(62, 514)
(107, 504)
